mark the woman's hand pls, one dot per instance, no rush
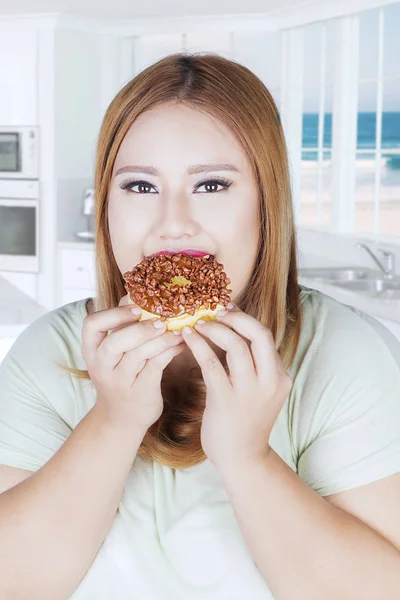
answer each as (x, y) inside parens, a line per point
(125, 360)
(242, 407)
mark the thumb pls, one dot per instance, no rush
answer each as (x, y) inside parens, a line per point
(124, 301)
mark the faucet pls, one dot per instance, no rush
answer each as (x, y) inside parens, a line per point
(389, 270)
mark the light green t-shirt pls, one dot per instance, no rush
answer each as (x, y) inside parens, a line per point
(175, 535)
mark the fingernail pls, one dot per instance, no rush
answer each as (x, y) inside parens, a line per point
(187, 329)
(136, 310)
(177, 332)
(200, 322)
(222, 313)
(160, 324)
(230, 306)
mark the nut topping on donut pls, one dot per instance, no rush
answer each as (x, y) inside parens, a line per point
(172, 285)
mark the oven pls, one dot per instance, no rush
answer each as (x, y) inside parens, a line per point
(19, 152)
(19, 226)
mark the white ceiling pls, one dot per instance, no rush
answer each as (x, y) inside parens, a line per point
(120, 9)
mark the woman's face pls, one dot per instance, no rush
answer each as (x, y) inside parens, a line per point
(181, 180)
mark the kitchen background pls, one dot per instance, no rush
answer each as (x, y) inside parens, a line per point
(333, 68)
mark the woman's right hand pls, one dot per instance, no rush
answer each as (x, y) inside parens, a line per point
(125, 360)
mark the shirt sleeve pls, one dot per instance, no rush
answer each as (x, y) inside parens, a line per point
(31, 430)
(348, 434)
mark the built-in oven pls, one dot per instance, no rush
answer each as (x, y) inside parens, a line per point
(19, 152)
(19, 226)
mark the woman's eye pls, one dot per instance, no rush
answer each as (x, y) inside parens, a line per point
(214, 183)
(142, 185)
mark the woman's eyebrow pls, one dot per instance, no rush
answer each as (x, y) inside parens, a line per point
(192, 169)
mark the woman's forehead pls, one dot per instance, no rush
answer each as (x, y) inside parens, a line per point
(180, 135)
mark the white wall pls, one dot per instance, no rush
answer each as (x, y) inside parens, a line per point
(78, 72)
(78, 113)
(18, 81)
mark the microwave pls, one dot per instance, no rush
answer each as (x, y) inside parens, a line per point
(19, 152)
(19, 226)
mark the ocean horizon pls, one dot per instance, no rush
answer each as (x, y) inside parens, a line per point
(366, 136)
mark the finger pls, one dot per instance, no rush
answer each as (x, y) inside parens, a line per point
(132, 336)
(96, 325)
(152, 371)
(264, 353)
(124, 301)
(213, 372)
(238, 354)
(133, 361)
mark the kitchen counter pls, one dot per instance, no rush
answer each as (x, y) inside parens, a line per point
(383, 308)
(386, 309)
(17, 310)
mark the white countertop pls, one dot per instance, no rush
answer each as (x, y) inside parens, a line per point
(17, 310)
(385, 309)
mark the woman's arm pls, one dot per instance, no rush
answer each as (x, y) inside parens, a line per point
(53, 523)
(304, 547)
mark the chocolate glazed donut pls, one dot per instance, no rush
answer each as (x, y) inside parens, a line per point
(178, 288)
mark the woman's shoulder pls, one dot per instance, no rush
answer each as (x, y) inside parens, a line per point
(40, 403)
(330, 323)
(65, 318)
(341, 347)
(344, 406)
(52, 335)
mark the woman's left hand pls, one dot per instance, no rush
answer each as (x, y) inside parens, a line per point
(242, 406)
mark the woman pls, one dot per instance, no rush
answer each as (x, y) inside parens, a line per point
(232, 460)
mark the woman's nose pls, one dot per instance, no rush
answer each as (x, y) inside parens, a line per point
(177, 218)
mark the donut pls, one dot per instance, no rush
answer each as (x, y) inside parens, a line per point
(178, 288)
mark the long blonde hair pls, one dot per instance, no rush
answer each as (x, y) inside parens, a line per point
(233, 94)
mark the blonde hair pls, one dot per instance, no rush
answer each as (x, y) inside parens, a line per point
(233, 94)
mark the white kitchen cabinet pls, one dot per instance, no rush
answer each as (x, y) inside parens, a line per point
(76, 273)
(72, 294)
(18, 75)
(78, 269)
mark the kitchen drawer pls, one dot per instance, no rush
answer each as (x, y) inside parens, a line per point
(68, 295)
(77, 269)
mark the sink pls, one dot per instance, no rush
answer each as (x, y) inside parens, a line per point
(359, 280)
(387, 288)
(338, 274)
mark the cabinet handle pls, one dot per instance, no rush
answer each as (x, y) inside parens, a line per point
(80, 269)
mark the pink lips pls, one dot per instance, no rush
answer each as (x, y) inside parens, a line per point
(196, 253)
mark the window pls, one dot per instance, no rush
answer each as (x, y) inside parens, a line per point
(316, 151)
(377, 198)
(373, 160)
